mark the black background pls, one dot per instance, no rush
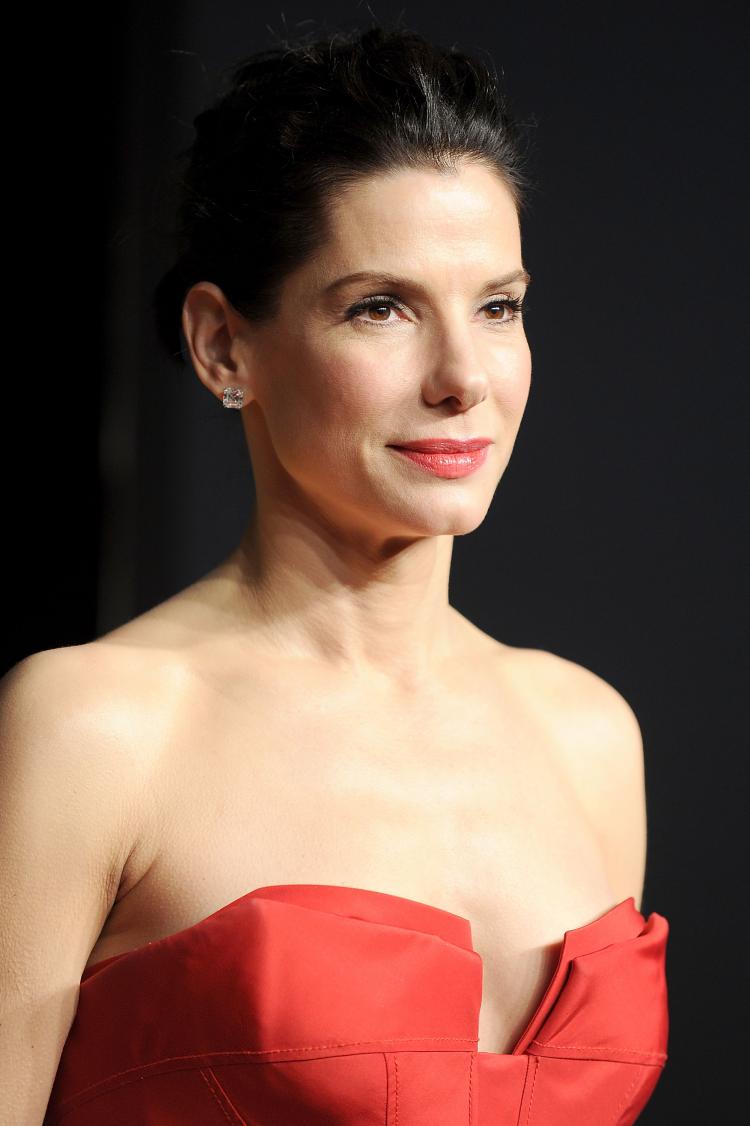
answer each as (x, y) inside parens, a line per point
(617, 535)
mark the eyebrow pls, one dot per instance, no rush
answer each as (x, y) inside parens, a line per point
(407, 283)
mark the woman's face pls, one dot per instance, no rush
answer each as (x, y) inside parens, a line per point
(441, 353)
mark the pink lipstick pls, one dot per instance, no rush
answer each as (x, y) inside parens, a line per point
(445, 457)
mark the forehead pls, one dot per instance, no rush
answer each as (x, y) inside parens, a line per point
(414, 217)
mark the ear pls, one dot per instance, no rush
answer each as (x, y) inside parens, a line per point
(213, 332)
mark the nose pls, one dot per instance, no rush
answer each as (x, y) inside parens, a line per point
(456, 371)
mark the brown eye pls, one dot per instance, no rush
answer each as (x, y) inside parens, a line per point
(379, 309)
(376, 305)
(511, 304)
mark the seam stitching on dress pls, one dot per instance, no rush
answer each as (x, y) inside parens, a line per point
(207, 1078)
(600, 1055)
(625, 1098)
(531, 1093)
(225, 1095)
(598, 1048)
(267, 1052)
(523, 1088)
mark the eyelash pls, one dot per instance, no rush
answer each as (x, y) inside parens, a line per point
(514, 304)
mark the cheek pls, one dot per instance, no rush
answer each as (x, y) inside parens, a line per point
(514, 381)
(325, 412)
(348, 397)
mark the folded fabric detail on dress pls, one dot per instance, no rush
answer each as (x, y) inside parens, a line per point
(326, 1005)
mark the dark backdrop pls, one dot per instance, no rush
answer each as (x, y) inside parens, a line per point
(616, 536)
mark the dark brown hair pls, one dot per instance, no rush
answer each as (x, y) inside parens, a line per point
(296, 124)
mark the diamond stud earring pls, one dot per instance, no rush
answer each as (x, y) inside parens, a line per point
(233, 397)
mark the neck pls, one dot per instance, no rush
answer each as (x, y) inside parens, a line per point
(372, 611)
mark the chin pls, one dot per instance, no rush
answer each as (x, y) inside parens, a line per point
(459, 522)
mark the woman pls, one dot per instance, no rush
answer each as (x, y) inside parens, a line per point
(302, 843)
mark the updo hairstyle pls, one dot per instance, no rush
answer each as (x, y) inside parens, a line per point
(296, 125)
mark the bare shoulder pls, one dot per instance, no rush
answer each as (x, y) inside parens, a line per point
(109, 691)
(88, 720)
(570, 692)
(596, 737)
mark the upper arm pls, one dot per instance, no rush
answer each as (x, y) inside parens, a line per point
(64, 836)
(599, 739)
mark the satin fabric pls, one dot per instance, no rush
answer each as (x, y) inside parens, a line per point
(325, 1005)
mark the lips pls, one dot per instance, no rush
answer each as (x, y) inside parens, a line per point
(443, 445)
(458, 460)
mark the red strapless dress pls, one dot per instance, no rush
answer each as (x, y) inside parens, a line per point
(321, 1005)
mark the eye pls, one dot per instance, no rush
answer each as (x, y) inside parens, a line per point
(513, 305)
(386, 302)
(380, 304)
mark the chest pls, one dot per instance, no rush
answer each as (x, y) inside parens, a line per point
(467, 809)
